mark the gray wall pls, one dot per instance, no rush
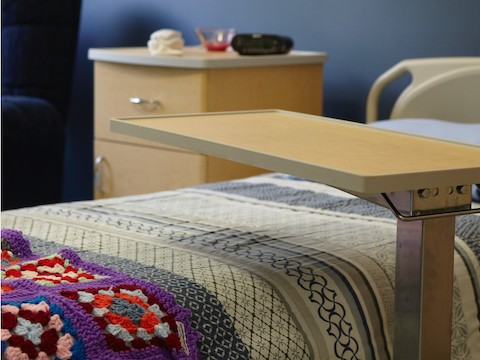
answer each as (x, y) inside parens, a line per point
(363, 38)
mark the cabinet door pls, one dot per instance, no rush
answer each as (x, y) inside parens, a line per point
(293, 87)
(124, 169)
(135, 90)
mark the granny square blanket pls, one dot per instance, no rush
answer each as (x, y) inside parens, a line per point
(61, 307)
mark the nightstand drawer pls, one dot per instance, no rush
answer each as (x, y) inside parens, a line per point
(129, 90)
(123, 169)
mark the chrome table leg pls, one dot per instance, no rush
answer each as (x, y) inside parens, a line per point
(424, 268)
(424, 289)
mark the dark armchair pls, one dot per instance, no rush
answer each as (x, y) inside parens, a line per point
(39, 39)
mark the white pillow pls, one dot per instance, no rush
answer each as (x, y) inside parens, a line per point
(462, 132)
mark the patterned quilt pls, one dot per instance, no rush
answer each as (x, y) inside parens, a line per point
(60, 307)
(270, 267)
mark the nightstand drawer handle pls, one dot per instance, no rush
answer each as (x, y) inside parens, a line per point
(140, 101)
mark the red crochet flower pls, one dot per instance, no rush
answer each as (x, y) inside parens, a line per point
(173, 341)
(115, 343)
(51, 262)
(13, 273)
(9, 321)
(158, 342)
(139, 343)
(29, 349)
(16, 340)
(102, 323)
(41, 317)
(28, 267)
(70, 294)
(48, 341)
(171, 322)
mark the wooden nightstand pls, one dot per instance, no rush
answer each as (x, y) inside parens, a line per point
(131, 82)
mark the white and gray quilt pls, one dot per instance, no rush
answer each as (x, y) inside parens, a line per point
(272, 267)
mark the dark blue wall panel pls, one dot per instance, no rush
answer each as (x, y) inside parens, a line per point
(363, 38)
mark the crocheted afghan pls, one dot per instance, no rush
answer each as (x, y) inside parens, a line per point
(61, 307)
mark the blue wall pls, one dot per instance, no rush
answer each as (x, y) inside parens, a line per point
(363, 38)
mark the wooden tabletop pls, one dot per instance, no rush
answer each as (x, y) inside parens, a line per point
(343, 154)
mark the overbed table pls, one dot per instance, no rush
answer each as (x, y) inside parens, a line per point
(425, 182)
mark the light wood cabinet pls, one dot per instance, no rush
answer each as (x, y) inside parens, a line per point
(130, 82)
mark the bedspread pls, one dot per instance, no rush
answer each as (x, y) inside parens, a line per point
(271, 267)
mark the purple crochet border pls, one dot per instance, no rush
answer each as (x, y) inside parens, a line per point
(27, 290)
(19, 244)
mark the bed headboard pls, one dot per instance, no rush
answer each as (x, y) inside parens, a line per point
(441, 88)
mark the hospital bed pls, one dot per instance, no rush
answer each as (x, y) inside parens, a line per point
(270, 267)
